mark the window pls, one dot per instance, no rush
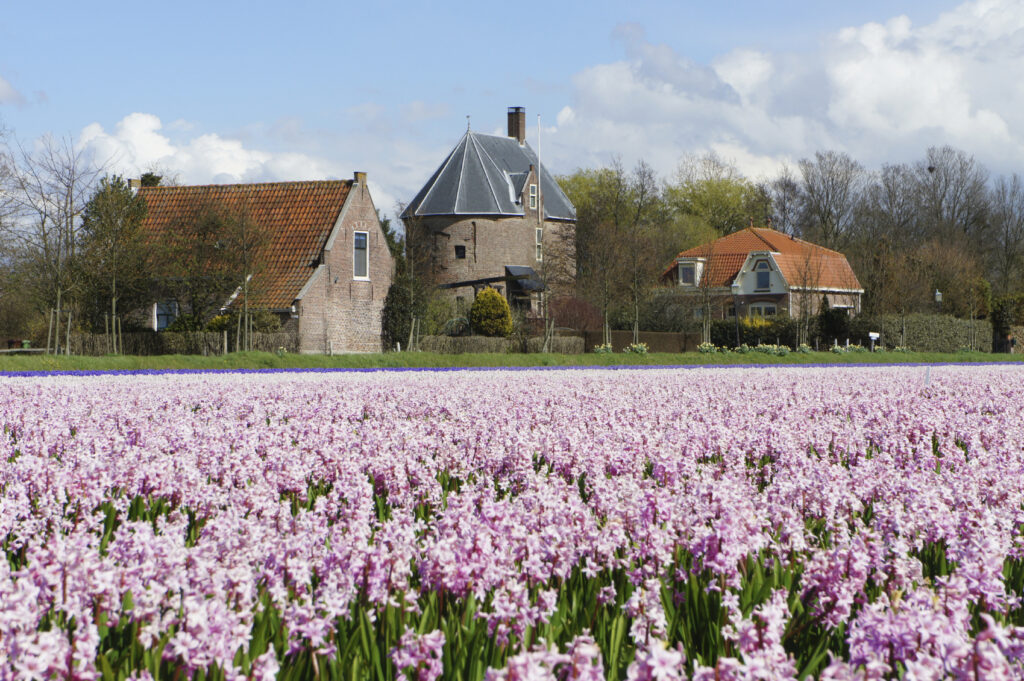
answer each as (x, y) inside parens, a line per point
(730, 312)
(687, 275)
(166, 313)
(360, 259)
(763, 270)
(540, 237)
(460, 252)
(763, 310)
(533, 196)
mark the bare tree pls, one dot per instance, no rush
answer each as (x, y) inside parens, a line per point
(951, 188)
(832, 184)
(637, 237)
(786, 199)
(47, 189)
(1008, 226)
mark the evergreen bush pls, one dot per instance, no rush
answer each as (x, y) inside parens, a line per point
(490, 314)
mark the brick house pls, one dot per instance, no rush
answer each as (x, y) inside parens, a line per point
(763, 272)
(494, 216)
(324, 264)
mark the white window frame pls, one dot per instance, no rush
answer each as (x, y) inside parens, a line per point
(366, 252)
(767, 271)
(540, 245)
(170, 310)
(533, 197)
(761, 310)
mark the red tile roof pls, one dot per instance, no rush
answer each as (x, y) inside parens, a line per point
(297, 218)
(801, 262)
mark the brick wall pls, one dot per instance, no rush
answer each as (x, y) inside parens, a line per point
(340, 313)
(488, 245)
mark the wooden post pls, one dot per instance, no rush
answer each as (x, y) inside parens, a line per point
(49, 332)
(225, 341)
(106, 332)
(67, 337)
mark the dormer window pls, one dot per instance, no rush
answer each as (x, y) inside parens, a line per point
(687, 274)
(533, 196)
(763, 271)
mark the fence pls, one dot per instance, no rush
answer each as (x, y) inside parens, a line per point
(457, 345)
(171, 343)
(657, 341)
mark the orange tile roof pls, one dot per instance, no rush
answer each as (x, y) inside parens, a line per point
(297, 218)
(802, 263)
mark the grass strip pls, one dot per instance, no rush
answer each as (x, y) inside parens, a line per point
(426, 360)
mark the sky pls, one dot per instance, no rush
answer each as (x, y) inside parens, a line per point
(225, 91)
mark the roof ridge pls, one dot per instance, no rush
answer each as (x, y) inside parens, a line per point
(797, 239)
(249, 185)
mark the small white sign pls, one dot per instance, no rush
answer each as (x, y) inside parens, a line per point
(873, 335)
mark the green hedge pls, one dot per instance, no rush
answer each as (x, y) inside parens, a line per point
(775, 331)
(923, 332)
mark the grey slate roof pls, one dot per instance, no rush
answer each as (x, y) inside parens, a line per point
(485, 175)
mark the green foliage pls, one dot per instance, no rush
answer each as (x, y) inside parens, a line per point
(116, 269)
(263, 321)
(778, 330)
(185, 323)
(1007, 311)
(714, 191)
(397, 314)
(833, 323)
(490, 314)
(636, 348)
(604, 349)
(924, 332)
(207, 254)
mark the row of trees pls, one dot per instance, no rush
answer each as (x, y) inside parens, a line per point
(940, 223)
(71, 243)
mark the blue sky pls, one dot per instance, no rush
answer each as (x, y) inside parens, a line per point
(232, 91)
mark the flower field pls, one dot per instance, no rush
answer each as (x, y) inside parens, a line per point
(765, 523)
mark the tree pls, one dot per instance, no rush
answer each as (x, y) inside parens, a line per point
(598, 196)
(47, 190)
(831, 187)
(1007, 214)
(244, 242)
(883, 238)
(199, 269)
(637, 228)
(785, 197)
(716, 192)
(618, 216)
(113, 249)
(951, 193)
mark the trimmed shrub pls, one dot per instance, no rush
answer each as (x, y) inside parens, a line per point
(754, 331)
(922, 332)
(490, 315)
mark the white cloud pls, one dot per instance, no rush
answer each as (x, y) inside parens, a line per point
(883, 92)
(8, 93)
(139, 142)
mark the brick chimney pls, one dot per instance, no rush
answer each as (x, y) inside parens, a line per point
(517, 123)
